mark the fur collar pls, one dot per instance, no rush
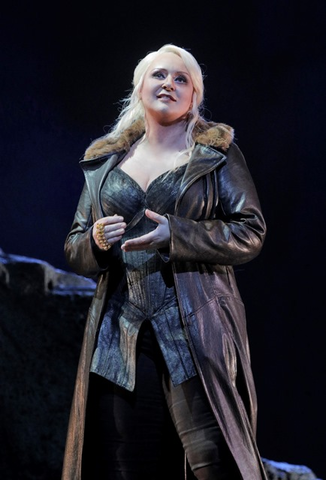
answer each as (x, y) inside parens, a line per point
(218, 135)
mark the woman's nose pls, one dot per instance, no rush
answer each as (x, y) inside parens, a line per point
(168, 84)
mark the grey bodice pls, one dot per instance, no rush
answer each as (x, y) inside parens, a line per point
(145, 290)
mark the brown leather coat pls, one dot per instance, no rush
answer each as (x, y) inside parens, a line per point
(217, 224)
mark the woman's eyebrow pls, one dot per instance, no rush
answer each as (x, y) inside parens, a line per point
(176, 71)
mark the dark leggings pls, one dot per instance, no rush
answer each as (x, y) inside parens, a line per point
(136, 435)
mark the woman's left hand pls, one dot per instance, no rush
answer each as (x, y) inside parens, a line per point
(158, 238)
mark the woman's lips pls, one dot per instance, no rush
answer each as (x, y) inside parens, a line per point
(166, 95)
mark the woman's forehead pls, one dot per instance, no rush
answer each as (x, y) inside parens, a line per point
(170, 61)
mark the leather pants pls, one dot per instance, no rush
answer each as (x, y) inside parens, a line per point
(143, 435)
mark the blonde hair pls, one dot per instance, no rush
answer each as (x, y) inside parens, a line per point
(132, 107)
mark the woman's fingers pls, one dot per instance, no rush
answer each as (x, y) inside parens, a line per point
(108, 230)
(155, 239)
(155, 217)
(140, 243)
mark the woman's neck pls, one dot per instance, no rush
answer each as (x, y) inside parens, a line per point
(165, 137)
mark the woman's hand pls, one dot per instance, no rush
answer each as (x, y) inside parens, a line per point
(108, 230)
(158, 238)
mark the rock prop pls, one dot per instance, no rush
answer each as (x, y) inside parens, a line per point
(42, 316)
(286, 471)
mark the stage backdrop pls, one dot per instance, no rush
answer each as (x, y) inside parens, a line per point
(64, 70)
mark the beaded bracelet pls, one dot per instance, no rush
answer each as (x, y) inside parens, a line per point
(101, 237)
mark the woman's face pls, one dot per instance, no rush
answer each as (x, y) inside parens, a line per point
(167, 89)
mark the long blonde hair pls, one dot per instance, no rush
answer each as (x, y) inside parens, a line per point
(132, 107)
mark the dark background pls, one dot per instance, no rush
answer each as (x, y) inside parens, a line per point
(64, 67)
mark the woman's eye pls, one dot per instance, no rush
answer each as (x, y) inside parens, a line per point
(181, 79)
(158, 75)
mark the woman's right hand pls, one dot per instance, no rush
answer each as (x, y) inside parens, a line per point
(108, 230)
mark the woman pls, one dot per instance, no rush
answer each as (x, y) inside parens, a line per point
(167, 209)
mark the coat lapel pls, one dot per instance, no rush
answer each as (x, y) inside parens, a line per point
(95, 172)
(203, 160)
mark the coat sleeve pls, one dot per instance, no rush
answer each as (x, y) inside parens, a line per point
(81, 252)
(237, 230)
